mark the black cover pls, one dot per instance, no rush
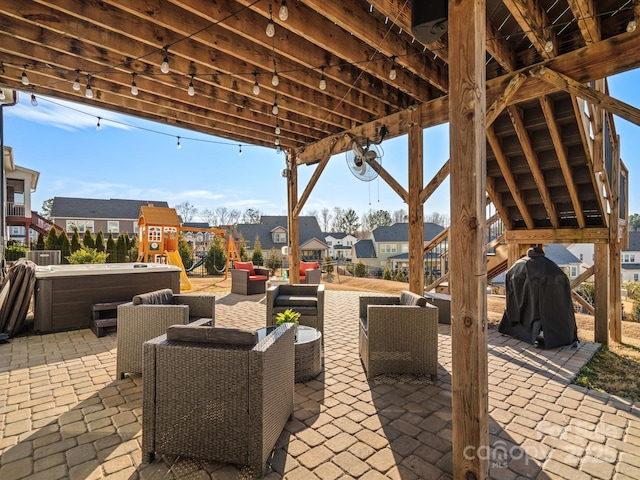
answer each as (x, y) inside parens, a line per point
(15, 296)
(539, 306)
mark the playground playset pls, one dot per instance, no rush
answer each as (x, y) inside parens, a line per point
(158, 231)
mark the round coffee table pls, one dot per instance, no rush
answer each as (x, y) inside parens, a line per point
(308, 351)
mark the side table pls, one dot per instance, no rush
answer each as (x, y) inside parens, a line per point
(308, 351)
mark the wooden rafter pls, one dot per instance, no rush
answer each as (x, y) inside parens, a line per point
(435, 182)
(532, 159)
(501, 102)
(586, 13)
(534, 22)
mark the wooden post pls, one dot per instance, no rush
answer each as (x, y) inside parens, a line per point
(513, 253)
(615, 280)
(468, 273)
(601, 292)
(294, 234)
(416, 214)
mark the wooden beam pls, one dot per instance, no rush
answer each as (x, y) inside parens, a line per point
(556, 138)
(496, 199)
(501, 102)
(310, 186)
(586, 13)
(509, 178)
(601, 293)
(534, 22)
(561, 235)
(435, 182)
(589, 272)
(586, 305)
(468, 264)
(415, 207)
(615, 266)
(532, 160)
(293, 220)
(600, 99)
(389, 180)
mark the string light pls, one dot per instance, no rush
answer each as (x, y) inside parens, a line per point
(88, 92)
(283, 14)
(323, 81)
(24, 79)
(34, 100)
(393, 73)
(191, 90)
(98, 125)
(271, 27)
(275, 80)
(632, 25)
(275, 109)
(256, 87)
(278, 149)
(179, 145)
(277, 128)
(134, 87)
(164, 67)
(239, 150)
(277, 142)
(2, 95)
(76, 82)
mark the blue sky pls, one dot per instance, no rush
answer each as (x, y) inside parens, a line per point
(136, 159)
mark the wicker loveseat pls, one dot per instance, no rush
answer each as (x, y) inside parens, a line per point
(247, 279)
(307, 300)
(310, 272)
(398, 334)
(149, 315)
(217, 394)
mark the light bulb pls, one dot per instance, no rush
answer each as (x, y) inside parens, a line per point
(277, 142)
(632, 25)
(271, 29)
(275, 80)
(88, 92)
(2, 95)
(76, 85)
(278, 149)
(277, 129)
(393, 73)
(239, 150)
(24, 78)
(283, 14)
(275, 110)
(323, 83)
(256, 88)
(191, 90)
(548, 47)
(179, 145)
(164, 68)
(98, 126)
(134, 88)
(34, 100)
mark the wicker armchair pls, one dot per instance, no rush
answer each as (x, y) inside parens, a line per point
(307, 300)
(398, 334)
(149, 315)
(247, 279)
(217, 401)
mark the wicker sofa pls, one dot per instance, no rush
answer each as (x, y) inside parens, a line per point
(247, 279)
(215, 394)
(398, 334)
(149, 315)
(307, 300)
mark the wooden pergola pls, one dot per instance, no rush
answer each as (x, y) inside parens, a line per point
(522, 84)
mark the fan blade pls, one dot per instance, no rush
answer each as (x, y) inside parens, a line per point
(360, 169)
(358, 149)
(370, 155)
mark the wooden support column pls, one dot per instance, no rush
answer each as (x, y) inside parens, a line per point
(513, 253)
(294, 234)
(416, 214)
(601, 293)
(615, 266)
(468, 273)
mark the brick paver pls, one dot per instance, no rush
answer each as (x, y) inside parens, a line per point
(63, 414)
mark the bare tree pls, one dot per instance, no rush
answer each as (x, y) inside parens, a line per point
(251, 215)
(223, 215)
(186, 211)
(209, 216)
(336, 224)
(325, 218)
(400, 216)
(437, 218)
(234, 216)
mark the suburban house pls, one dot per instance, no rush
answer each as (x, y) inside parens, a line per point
(389, 245)
(272, 232)
(199, 241)
(109, 216)
(631, 258)
(340, 244)
(20, 182)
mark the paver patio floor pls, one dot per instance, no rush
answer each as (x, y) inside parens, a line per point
(63, 414)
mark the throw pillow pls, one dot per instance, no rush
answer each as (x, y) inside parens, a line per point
(244, 266)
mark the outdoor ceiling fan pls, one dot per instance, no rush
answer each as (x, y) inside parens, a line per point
(362, 151)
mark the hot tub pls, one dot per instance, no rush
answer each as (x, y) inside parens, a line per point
(64, 294)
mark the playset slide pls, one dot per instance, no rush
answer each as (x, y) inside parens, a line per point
(173, 258)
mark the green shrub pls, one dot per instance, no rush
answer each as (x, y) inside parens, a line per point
(88, 240)
(257, 258)
(400, 276)
(327, 264)
(274, 262)
(288, 316)
(100, 241)
(635, 310)
(185, 251)
(216, 257)
(75, 240)
(386, 274)
(51, 242)
(87, 255)
(360, 269)
(14, 252)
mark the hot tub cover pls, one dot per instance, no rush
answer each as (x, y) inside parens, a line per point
(539, 306)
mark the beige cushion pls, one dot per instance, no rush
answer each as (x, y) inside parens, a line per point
(412, 299)
(158, 297)
(219, 335)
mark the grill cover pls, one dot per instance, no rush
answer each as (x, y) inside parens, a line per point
(539, 306)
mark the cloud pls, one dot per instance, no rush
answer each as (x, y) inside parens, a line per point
(65, 115)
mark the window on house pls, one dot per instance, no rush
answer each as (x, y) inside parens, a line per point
(81, 225)
(113, 226)
(632, 258)
(329, 242)
(581, 257)
(635, 277)
(279, 237)
(155, 234)
(388, 248)
(573, 272)
(404, 248)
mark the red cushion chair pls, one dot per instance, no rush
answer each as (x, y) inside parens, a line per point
(247, 279)
(310, 272)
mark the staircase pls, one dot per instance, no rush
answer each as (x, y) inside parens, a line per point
(42, 225)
